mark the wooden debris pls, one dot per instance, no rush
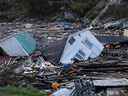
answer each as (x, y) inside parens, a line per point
(111, 83)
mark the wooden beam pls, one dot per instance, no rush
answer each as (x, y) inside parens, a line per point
(111, 83)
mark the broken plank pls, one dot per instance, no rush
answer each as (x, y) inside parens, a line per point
(111, 83)
(104, 69)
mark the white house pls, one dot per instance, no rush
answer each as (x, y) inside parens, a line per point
(81, 46)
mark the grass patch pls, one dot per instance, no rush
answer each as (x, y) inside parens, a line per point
(20, 91)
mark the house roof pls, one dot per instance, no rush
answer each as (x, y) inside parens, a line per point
(7, 35)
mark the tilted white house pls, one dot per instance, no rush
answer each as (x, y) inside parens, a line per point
(81, 46)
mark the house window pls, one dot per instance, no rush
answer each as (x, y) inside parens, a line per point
(87, 43)
(78, 56)
(81, 53)
(71, 40)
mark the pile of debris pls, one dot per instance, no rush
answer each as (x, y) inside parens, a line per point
(31, 55)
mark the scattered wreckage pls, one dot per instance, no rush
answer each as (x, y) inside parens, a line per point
(88, 87)
(119, 24)
(82, 50)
